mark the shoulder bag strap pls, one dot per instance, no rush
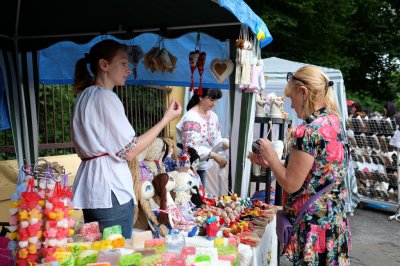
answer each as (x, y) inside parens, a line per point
(310, 201)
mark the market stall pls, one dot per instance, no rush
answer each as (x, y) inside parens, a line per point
(20, 63)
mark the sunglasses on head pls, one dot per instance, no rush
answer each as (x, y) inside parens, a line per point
(290, 76)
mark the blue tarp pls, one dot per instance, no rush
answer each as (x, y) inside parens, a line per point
(247, 16)
(4, 117)
(57, 63)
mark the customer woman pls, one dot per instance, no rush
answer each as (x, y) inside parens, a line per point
(317, 158)
(199, 128)
(104, 139)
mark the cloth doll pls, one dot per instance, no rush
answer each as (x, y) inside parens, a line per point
(144, 216)
(152, 161)
(148, 205)
(183, 186)
(169, 213)
(170, 155)
(188, 162)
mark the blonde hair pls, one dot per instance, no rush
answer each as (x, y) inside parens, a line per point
(317, 83)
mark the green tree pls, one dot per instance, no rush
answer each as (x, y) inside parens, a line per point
(359, 37)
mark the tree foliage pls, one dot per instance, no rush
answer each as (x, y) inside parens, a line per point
(359, 37)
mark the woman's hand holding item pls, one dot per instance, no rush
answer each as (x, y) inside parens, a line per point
(258, 159)
(219, 159)
(173, 111)
(266, 149)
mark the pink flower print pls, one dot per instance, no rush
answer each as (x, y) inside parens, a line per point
(192, 126)
(334, 122)
(299, 132)
(328, 132)
(335, 152)
(318, 120)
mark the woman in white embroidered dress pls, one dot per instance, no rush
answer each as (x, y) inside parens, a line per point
(199, 128)
(104, 139)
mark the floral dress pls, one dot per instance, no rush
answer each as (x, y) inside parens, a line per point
(322, 236)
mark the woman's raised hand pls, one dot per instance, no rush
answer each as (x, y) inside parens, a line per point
(174, 110)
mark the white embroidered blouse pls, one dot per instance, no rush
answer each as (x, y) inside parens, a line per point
(100, 127)
(196, 132)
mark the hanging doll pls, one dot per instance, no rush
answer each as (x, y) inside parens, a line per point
(169, 213)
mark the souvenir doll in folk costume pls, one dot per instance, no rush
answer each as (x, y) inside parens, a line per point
(188, 162)
(170, 156)
(169, 213)
(183, 186)
(212, 226)
(152, 161)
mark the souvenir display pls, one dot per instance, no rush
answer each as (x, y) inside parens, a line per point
(159, 59)
(135, 55)
(221, 69)
(243, 58)
(197, 59)
(276, 106)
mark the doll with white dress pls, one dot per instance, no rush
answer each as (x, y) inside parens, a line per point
(169, 213)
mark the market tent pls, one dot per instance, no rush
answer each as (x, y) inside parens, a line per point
(28, 26)
(276, 70)
(39, 24)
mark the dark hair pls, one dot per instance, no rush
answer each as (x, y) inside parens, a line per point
(192, 153)
(159, 183)
(391, 109)
(213, 94)
(357, 106)
(106, 49)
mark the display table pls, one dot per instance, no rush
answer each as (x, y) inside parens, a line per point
(264, 254)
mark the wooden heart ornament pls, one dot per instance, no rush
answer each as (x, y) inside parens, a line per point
(221, 69)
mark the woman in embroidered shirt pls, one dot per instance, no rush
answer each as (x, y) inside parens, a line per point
(199, 128)
(104, 139)
(317, 158)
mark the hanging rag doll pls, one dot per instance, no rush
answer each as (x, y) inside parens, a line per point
(169, 213)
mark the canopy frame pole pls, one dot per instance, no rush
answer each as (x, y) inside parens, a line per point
(120, 31)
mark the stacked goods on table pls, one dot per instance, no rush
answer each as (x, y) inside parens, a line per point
(43, 231)
(40, 214)
(243, 219)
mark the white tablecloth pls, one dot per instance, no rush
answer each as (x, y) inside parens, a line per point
(264, 254)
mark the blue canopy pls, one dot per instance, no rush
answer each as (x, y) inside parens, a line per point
(57, 63)
(247, 16)
(4, 118)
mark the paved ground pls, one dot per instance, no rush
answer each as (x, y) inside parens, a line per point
(375, 241)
